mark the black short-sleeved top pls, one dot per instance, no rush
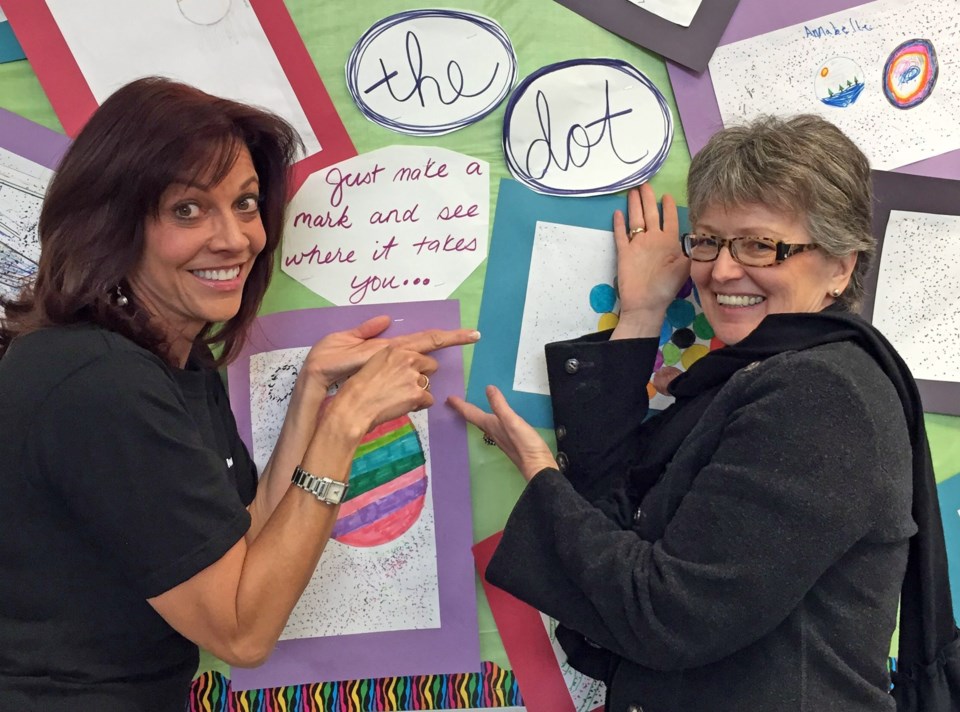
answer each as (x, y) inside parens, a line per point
(120, 478)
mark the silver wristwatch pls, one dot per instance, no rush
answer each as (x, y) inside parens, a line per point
(323, 488)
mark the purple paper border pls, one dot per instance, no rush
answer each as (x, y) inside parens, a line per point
(919, 194)
(697, 102)
(455, 646)
(32, 141)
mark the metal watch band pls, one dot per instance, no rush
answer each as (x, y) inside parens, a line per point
(323, 488)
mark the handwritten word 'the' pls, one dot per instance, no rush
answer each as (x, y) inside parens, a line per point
(834, 30)
(448, 95)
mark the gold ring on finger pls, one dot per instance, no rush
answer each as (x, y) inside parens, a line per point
(425, 384)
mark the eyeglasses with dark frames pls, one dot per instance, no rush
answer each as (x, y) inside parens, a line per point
(749, 251)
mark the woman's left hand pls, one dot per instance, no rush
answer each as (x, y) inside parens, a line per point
(512, 434)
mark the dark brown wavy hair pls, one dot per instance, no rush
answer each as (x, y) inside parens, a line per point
(149, 134)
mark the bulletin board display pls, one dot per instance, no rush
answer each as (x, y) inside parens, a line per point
(542, 33)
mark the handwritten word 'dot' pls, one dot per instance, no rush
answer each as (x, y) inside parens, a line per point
(404, 223)
(586, 127)
(429, 72)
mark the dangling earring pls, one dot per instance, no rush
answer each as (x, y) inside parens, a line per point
(121, 298)
(836, 292)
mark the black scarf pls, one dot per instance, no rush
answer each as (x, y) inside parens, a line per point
(927, 622)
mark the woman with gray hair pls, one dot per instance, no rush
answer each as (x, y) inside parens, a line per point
(744, 549)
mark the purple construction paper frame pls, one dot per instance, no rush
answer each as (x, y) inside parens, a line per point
(691, 46)
(697, 102)
(920, 194)
(455, 646)
(32, 141)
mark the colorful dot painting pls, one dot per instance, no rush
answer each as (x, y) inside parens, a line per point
(685, 338)
(910, 73)
(388, 484)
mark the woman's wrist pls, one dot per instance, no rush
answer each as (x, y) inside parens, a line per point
(639, 323)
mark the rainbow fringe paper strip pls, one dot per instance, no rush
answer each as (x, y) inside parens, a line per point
(493, 686)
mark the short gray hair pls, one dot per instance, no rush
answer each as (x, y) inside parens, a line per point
(803, 166)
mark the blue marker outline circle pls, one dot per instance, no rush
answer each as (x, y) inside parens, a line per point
(387, 23)
(640, 176)
(927, 90)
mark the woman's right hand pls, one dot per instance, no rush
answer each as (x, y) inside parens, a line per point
(393, 382)
(651, 267)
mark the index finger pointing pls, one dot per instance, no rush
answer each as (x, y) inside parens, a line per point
(434, 339)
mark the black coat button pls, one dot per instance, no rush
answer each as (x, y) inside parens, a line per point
(563, 462)
(634, 708)
(571, 365)
(561, 432)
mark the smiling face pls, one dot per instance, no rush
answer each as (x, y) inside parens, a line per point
(197, 254)
(736, 298)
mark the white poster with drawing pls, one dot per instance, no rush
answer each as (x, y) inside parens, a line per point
(216, 45)
(379, 569)
(918, 290)
(571, 272)
(586, 693)
(880, 71)
(679, 12)
(22, 187)
(400, 224)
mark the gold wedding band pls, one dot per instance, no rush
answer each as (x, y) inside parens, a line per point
(637, 231)
(426, 382)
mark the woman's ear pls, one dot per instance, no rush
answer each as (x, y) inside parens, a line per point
(843, 270)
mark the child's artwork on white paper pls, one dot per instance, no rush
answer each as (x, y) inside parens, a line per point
(22, 187)
(878, 71)
(379, 569)
(216, 45)
(679, 12)
(570, 292)
(586, 693)
(428, 72)
(400, 224)
(918, 290)
(568, 266)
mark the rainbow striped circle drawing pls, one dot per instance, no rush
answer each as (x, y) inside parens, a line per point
(388, 486)
(910, 73)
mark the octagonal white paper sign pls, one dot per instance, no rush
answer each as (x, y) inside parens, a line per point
(400, 224)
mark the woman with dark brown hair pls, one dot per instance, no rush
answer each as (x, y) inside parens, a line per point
(132, 524)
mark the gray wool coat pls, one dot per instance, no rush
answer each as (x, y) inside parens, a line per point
(761, 572)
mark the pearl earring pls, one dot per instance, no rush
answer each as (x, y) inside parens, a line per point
(836, 292)
(121, 298)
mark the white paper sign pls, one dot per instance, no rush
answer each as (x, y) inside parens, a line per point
(918, 292)
(586, 127)
(679, 12)
(391, 586)
(404, 223)
(859, 69)
(216, 45)
(429, 72)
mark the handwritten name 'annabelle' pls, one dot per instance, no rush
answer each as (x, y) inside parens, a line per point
(832, 29)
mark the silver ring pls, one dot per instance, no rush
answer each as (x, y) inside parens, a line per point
(488, 440)
(426, 382)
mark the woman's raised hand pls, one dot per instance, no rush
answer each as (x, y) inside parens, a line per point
(511, 433)
(651, 267)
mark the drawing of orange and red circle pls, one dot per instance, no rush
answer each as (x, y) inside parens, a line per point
(388, 486)
(910, 73)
